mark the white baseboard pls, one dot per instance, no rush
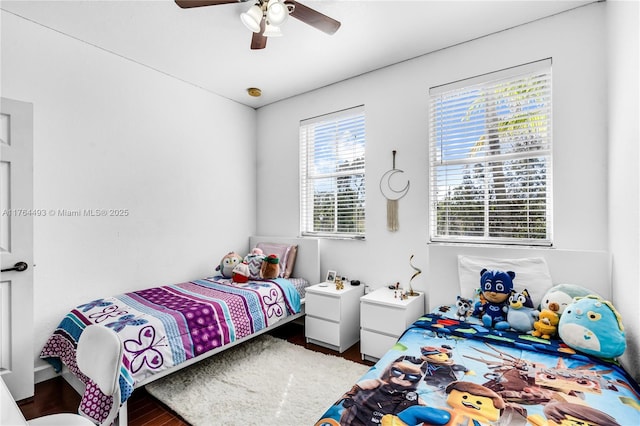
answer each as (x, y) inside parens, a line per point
(43, 373)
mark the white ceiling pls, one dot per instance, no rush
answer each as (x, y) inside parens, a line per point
(209, 46)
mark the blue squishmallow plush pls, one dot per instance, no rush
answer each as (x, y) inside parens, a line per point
(593, 326)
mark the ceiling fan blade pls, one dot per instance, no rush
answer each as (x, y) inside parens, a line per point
(185, 4)
(258, 40)
(313, 17)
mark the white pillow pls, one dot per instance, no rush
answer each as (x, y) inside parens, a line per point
(532, 273)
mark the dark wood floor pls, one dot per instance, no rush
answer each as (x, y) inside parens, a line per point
(57, 396)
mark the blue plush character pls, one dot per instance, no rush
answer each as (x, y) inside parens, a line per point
(496, 287)
(521, 314)
(593, 326)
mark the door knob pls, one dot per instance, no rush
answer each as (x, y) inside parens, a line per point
(19, 267)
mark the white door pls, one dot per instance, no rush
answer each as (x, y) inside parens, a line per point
(16, 245)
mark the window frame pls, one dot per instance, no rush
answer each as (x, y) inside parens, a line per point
(347, 120)
(441, 144)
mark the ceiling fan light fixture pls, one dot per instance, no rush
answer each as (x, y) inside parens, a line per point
(252, 18)
(272, 31)
(277, 12)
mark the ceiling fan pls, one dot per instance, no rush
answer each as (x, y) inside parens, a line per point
(264, 17)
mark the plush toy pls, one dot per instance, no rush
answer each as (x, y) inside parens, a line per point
(254, 260)
(496, 287)
(521, 314)
(464, 308)
(270, 267)
(559, 296)
(592, 325)
(547, 324)
(240, 273)
(228, 262)
(255, 252)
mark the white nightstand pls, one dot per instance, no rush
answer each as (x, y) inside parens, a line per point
(333, 316)
(383, 318)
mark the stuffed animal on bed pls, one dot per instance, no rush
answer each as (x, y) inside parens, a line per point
(496, 287)
(521, 314)
(254, 260)
(270, 267)
(228, 262)
(559, 296)
(547, 325)
(464, 308)
(256, 251)
(593, 326)
(240, 273)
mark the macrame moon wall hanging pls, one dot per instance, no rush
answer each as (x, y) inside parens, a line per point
(392, 195)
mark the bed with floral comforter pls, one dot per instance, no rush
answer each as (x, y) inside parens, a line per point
(163, 327)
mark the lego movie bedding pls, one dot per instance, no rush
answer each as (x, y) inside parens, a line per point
(165, 326)
(446, 372)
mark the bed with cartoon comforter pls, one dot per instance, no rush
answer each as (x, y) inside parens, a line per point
(444, 371)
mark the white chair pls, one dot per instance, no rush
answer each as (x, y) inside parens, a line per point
(98, 355)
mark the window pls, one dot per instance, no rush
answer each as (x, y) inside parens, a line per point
(490, 158)
(332, 187)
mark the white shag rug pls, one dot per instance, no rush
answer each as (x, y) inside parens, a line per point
(265, 381)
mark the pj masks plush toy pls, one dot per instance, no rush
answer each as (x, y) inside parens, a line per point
(593, 326)
(495, 287)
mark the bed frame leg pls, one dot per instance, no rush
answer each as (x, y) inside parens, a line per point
(122, 419)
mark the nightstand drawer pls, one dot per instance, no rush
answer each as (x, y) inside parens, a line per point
(374, 344)
(322, 330)
(319, 305)
(383, 319)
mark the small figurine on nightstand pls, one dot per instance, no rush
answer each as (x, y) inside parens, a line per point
(339, 284)
(400, 294)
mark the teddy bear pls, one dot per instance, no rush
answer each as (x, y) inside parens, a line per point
(227, 263)
(270, 267)
(547, 324)
(496, 287)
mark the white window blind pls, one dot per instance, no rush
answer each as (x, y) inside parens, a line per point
(490, 158)
(332, 178)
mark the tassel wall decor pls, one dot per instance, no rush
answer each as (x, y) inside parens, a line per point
(392, 195)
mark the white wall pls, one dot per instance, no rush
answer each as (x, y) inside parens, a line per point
(112, 134)
(109, 133)
(596, 199)
(395, 100)
(623, 23)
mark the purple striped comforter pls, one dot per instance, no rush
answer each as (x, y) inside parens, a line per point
(165, 326)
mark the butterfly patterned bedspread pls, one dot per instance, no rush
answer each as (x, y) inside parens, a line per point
(165, 326)
(446, 372)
